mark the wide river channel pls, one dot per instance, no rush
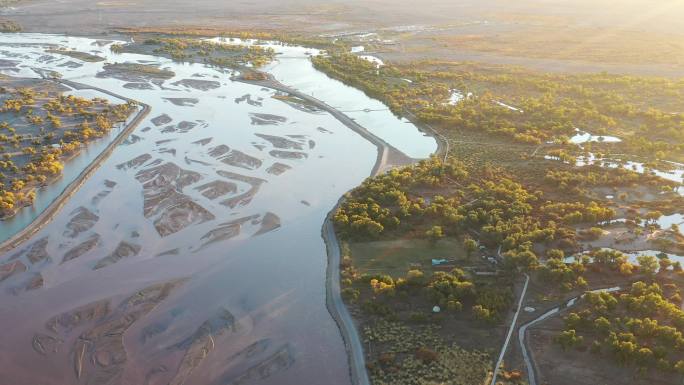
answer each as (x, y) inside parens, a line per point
(193, 255)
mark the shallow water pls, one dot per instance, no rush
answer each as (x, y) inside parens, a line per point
(675, 174)
(666, 221)
(633, 255)
(293, 68)
(585, 137)
(455, 97)
(201, 204)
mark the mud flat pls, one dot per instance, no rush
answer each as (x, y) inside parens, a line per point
(282, 143)
(189, 265)
(183, 102)
(217, 188)
(267, 119)
(131, 72)
(235, 158)
(82, 220)
(171, 210)
(278, 168)
(197, 84)
(123, 250)
(84, 56)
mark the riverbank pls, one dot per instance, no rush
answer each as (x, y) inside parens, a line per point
(336, 306)
(386, 159)
(388, 156)
(229, 115)
(575, 37)
(54, 207)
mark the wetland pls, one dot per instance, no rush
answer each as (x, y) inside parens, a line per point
(191, 236)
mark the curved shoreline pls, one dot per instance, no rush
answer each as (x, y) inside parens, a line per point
(56, 205)
(385, 150)
(333, 297)
(336, 306)
(387, 157)
(334, 302)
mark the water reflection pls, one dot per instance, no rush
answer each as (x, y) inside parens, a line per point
(197, 244)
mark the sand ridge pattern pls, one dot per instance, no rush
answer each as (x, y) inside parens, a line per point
(146, 275)
(171, 210)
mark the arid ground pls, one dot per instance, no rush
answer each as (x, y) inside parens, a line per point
(634, 36)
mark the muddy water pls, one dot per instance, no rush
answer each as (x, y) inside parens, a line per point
(193, 255)
(293, 68)
(72, 168)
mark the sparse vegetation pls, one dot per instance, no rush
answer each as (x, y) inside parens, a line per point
(39, 129)
(186, 49)
(8, 25)
(476, 206)
(419, 355)
(525, 106)
(76, 55)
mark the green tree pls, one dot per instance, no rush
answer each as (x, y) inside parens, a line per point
(664, 263)
(470, 246)
(679, 367)
(648, 265)
(482, 313)
(555, 254)
(435, 234)
(569, 338)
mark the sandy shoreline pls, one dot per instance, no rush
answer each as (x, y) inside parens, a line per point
(54, 207)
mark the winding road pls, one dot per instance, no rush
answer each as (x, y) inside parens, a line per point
(522, 332)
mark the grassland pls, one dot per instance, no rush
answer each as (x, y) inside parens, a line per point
(397, 256)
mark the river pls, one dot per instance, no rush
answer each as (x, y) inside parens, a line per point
(194, 253)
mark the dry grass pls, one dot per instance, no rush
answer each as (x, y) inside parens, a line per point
(563, 43)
